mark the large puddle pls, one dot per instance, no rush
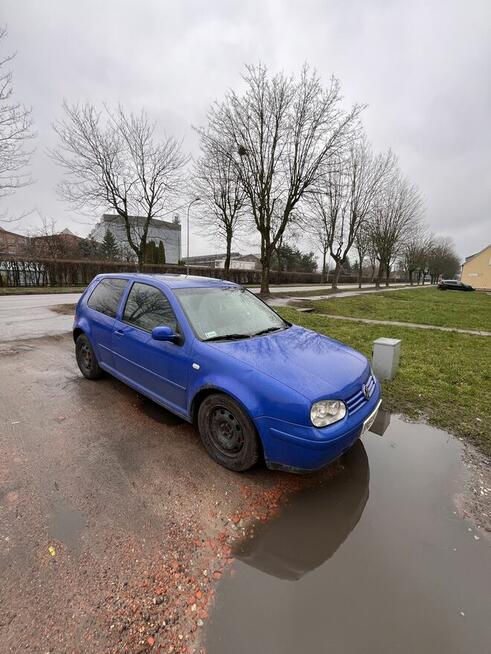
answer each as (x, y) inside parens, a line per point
(375, 560)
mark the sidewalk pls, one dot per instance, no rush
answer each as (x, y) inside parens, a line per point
(397, 323)
(290, 301)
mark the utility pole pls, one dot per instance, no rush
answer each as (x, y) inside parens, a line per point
(187, 239)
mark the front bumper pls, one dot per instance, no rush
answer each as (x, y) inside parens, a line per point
(300, 448)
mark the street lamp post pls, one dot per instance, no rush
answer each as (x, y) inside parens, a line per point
(187, 237)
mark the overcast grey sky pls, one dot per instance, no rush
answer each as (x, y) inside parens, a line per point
(424, 69)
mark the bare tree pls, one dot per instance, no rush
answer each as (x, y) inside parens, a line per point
(415, 254)
(345, 197)
(443, 260)
(278, 134)
(320, 228)
(216, 182)
(15, 133)
(396, 217)
(113, 160)
(364, 249)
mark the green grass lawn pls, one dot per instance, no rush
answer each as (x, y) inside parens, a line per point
(444, 377)
(427, 306)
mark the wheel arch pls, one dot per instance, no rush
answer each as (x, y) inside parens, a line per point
(76, 333)
(210, 389)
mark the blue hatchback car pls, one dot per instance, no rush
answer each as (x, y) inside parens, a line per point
(213, 353)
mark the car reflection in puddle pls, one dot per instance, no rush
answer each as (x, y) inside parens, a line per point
(375, 559)
(289, 553)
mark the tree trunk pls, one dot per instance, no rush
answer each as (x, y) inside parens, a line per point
(141, 260)
(335, 275)
(410, 277)
(265, 279)
(387, 275)
(379, 275)
(266, 264)
(360, 272)
(226, 265)
(324, 268)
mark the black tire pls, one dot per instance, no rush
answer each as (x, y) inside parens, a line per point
(227, 433)
(86, 358)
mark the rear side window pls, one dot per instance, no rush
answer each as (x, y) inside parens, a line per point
(106, 296)
(147, 307)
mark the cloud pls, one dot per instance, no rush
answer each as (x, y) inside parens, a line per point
(423, 69)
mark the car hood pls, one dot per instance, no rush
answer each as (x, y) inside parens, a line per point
(311, 364)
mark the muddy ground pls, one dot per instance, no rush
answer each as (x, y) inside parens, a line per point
(114, 523)
(115, 527)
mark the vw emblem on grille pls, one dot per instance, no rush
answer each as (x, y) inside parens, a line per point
(366, 391)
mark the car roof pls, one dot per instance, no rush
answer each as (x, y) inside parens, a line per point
(172, 281)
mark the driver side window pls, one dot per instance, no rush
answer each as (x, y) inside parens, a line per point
(147, 307)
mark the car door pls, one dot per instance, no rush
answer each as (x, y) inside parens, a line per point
(103, 305)
(159, 369)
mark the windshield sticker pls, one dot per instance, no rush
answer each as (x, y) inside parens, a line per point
(210, 334)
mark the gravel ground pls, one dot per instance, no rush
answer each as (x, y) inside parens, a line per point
(115, 525)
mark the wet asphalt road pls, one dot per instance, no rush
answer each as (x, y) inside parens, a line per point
(30, 316)
(104, 478)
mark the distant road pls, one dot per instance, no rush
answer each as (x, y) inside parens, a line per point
(30, 316)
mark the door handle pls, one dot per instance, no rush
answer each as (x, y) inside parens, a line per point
(119, 332)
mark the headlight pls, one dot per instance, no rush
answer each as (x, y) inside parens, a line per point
(326, 412)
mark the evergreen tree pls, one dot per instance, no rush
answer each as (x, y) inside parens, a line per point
(109, 247)
(89, 248)
(150, 252)
(161, 253)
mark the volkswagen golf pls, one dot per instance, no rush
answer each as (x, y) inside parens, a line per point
(210, 351)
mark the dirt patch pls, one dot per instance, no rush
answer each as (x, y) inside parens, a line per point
(474, 502)
(65, 309)
(115, 526)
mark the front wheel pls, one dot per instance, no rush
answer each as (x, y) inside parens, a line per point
(86, 359)
(227, 433)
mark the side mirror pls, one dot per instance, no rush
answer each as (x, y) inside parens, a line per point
(164, 333)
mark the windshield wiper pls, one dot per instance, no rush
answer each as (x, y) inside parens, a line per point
(269, 329)
(226, 337)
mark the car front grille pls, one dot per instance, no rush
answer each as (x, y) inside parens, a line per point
(358, 400)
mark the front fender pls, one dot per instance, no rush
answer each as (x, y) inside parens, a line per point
(259, 394)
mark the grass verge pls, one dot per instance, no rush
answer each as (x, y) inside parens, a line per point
(40, 290)
(444, 377)
(423, 306)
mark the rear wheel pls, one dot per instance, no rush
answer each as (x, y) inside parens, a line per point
(86, 359)
(227, 433)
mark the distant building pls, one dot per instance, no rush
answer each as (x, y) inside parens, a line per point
(237, 261)
(159, 230)
(208, 260)
(476, 269)
(241, 262)
(12, 244)
(65, 244)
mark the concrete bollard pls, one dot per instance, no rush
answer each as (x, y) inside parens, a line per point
(385, 357)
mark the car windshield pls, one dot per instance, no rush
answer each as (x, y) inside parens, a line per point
(222, 313)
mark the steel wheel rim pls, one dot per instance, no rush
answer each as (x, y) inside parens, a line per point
(85, 357)
(226, 432)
